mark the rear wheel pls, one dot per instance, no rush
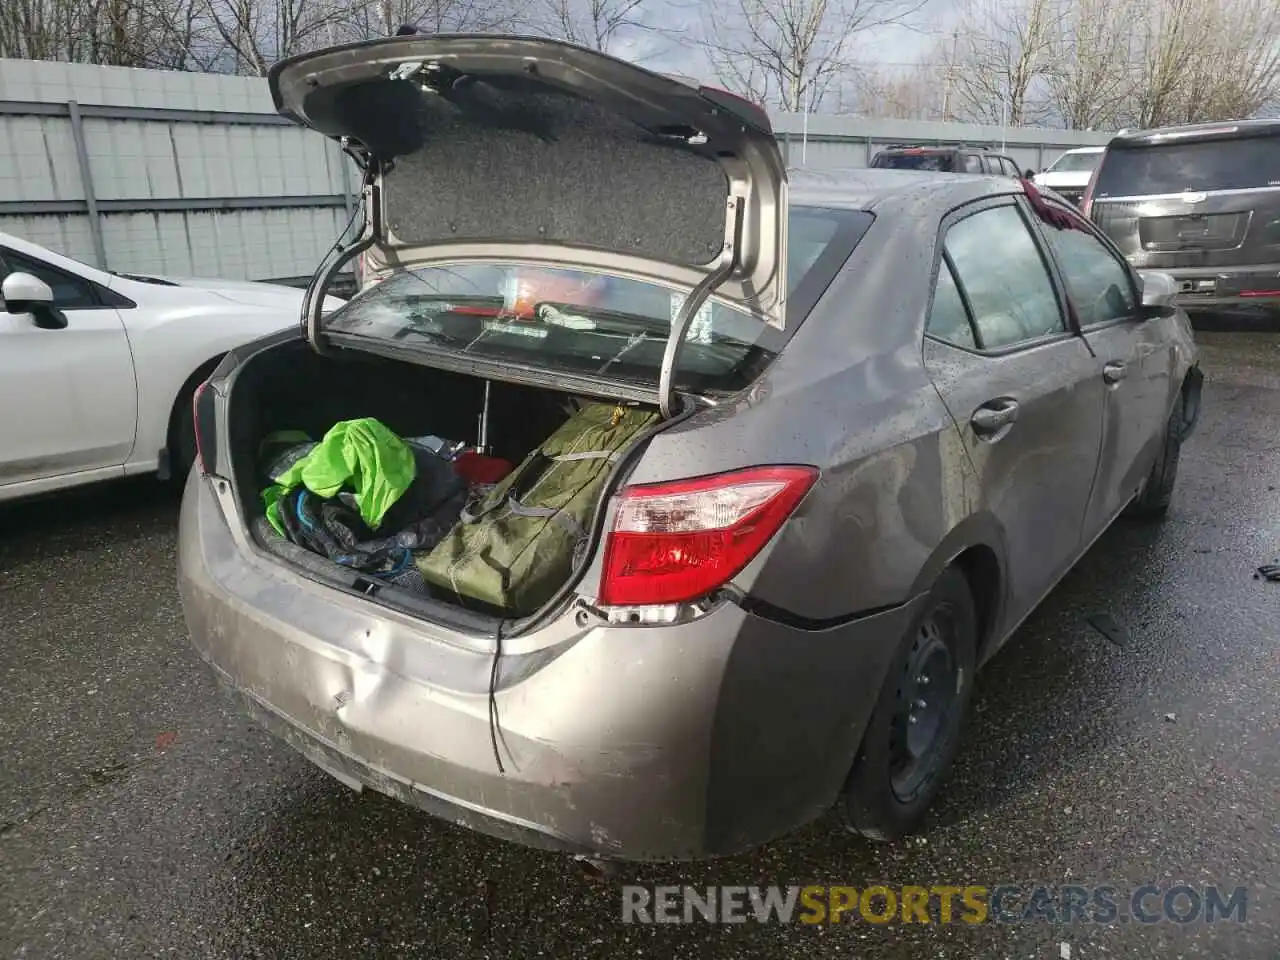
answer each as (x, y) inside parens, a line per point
(914, 731)
(1152, 501)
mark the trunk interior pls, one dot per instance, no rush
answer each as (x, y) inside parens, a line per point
(291, 387)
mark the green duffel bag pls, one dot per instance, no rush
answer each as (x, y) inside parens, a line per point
(517, 546)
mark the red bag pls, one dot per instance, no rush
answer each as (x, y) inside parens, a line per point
(476, 468)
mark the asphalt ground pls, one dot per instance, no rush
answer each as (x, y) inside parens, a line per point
(142, 816)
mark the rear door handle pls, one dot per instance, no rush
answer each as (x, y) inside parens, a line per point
(994, 416)
(1115, 371)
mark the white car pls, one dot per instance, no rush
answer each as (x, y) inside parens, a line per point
(97, 369)
(1068, 176)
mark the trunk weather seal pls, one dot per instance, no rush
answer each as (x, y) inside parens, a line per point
(694, 301)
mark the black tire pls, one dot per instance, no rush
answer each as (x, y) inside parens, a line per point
(1152, 502)
(182, 439)
(893, 782)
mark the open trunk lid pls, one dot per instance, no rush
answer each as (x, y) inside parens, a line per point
(532, 150)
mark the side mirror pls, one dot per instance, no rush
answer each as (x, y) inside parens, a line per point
(1159, 294)
(1029, 173)
(23, 293)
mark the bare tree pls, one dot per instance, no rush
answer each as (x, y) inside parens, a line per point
(363, 19)
(916, 93)
(1234, 70)
(1087, 62)
(590, 23)
(1165, 42)
(256, 33)
(789, 52)
(133, 33)
(1000, 52)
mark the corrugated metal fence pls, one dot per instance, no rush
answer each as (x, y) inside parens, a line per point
(195, 175)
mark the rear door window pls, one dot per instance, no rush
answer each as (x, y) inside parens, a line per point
(992, 164)
(1004, 278)
(948, 318)
(1244, 164)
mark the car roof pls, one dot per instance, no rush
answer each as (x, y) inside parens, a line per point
(1222, 130)
(938, 147)
(865, 188)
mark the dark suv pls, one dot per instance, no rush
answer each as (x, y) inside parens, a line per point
(1199, 202)
(960, 159)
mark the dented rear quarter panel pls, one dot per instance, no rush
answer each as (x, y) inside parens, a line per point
(849, 394)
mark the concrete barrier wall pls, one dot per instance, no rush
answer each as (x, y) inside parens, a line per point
(186, 174)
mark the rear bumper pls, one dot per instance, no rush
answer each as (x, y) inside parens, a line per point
(1205, 288)
(632, 743)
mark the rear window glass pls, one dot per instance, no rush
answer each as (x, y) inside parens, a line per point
(1181, 167)
(939, 162)
(596, 324)
(1074, 163)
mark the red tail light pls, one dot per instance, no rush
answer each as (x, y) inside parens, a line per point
(674, 542)
(202, 413)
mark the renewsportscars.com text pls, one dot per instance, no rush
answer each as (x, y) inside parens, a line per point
(935, 904)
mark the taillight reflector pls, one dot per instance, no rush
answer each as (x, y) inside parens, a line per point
(675, 542)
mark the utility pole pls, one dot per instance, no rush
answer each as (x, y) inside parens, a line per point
(951, 66)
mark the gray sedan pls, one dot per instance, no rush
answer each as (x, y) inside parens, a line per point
(893, 409)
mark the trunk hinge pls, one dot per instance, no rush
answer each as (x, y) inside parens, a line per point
(694, 301)
(340, 255)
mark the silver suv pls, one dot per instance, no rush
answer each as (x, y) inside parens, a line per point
(1201, 203)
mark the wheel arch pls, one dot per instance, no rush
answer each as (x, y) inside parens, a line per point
(975, 546)
(181, 406)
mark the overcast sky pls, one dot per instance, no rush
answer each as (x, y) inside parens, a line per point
(673, 45)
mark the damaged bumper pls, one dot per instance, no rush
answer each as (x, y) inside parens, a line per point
(631, 743)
